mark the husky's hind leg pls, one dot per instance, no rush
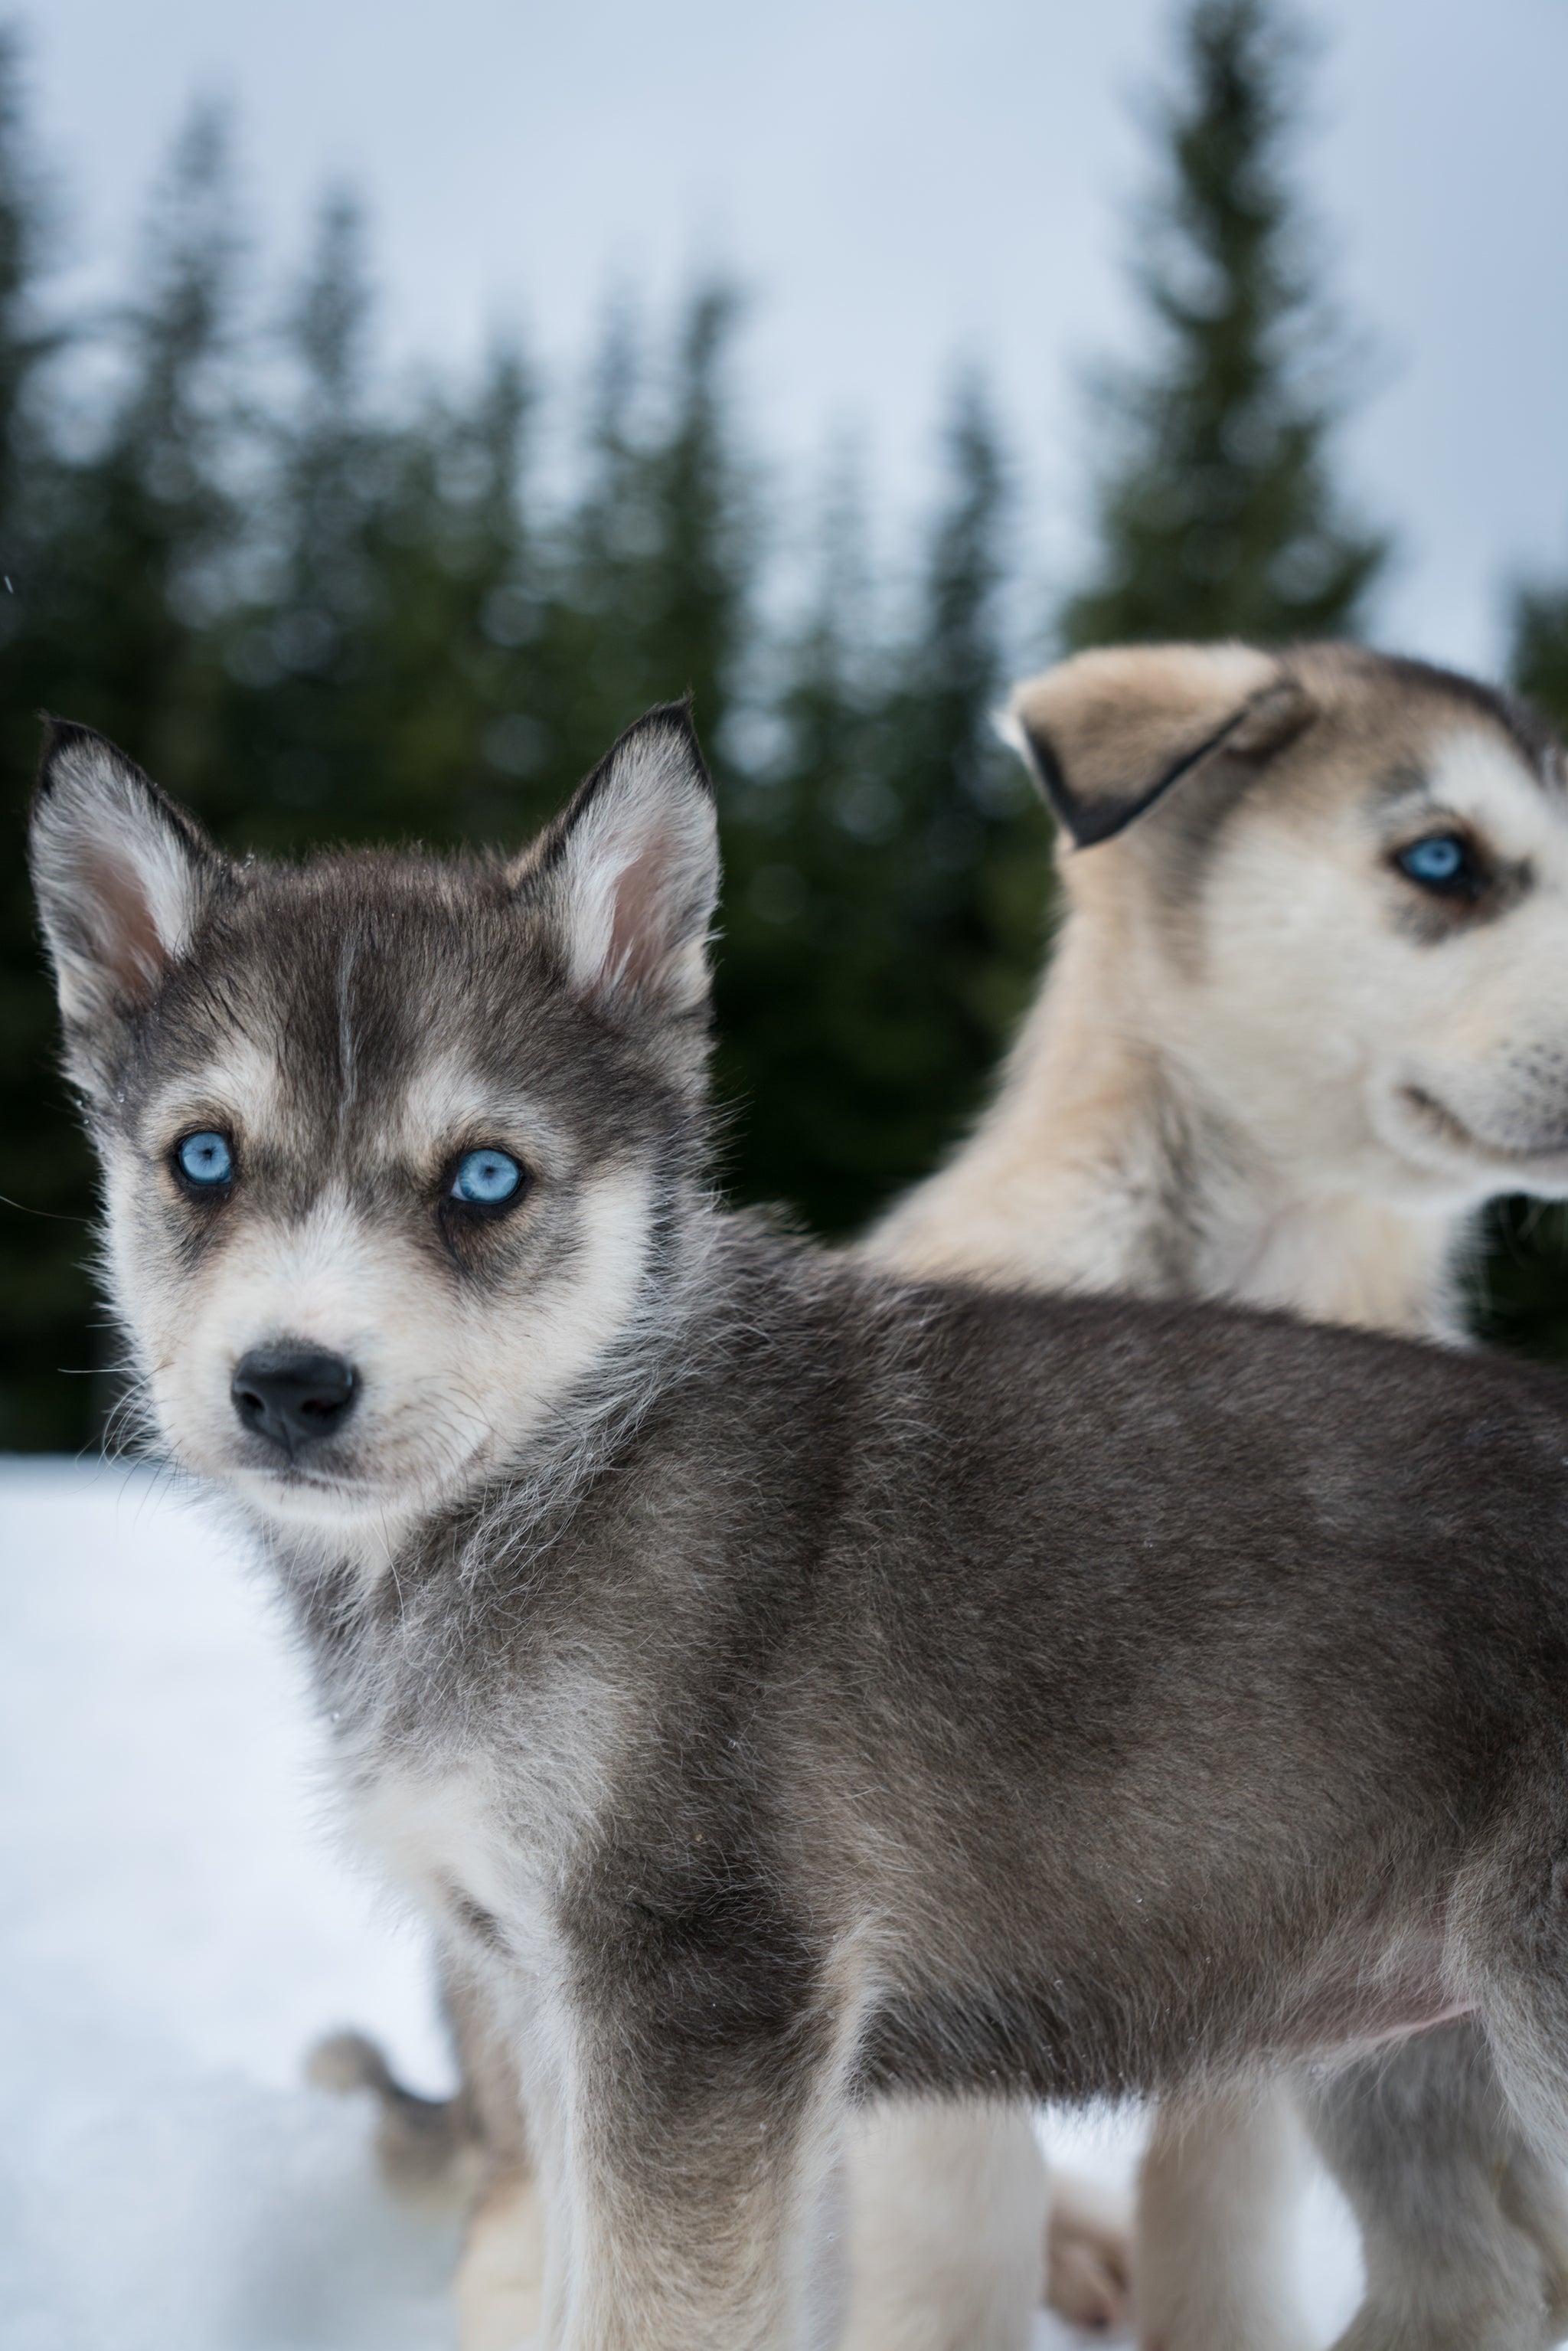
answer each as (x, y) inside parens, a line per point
(1212, 2264)
(1088, 2252)
(945, 2205)
(1423, 2143)
(471, 2148)
(499, 2284)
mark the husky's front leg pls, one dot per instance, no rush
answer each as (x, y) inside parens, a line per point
(697, 2180)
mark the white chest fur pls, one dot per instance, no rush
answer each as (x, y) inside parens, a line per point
(437, 1834)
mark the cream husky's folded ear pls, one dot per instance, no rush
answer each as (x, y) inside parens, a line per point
(122, 877)
(1108, 733)
(628, 876)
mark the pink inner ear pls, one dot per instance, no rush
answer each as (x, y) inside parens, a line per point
(133, 949)
(640, 925)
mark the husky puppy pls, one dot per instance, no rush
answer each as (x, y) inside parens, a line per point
(1302, 1021)
(782, 1686)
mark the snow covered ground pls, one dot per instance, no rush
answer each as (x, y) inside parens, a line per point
(177, 1928)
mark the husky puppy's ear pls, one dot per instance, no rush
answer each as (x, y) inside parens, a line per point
(122, 876)
(628, 874)
(1108, 733)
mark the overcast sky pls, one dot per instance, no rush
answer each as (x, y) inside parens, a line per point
(901, 184)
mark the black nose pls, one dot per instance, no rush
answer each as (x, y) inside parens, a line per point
(293, 1395)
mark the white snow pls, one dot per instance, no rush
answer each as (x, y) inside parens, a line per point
(177, 1928)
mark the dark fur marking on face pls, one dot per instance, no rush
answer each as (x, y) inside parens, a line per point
(198, 1224)
(1529, 732)
(1092, 821)
(1431, 920)
(1190, 827)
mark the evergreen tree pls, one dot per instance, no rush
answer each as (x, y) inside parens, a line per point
(26, 342)
(119, 557)
(1217, 516)
(659, 555)
(389, 676)
(372, 675)
(807, 836)
(116, 570)
(115, 559)
(291, 646)
(885, 915)
(1538, 662)
(141, 531)
(972, 874)
(452, 746)
(44, 1182)
(702, 562)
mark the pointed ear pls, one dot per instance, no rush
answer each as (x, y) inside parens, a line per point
(628, 876)
(1108, 733)
(122, 876)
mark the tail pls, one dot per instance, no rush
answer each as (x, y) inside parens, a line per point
(425, 2147)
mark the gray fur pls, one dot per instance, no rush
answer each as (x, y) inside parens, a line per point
(830, 1687)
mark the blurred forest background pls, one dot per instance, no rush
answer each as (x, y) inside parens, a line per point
(320, 606)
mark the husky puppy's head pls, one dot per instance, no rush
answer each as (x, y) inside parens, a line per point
(1338, 883)
(395, 1151)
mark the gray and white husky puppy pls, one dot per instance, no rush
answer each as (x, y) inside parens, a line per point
(784, 1686)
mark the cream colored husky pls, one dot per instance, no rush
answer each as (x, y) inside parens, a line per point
(1308, 1011)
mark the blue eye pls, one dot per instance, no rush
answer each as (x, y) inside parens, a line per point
(1441, 861)
(487, 1179)
(205, 1160)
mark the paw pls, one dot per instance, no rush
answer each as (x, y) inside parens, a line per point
(1087, 2289)
(1088, 2252)
(499, 2285)
(1486, 2330)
